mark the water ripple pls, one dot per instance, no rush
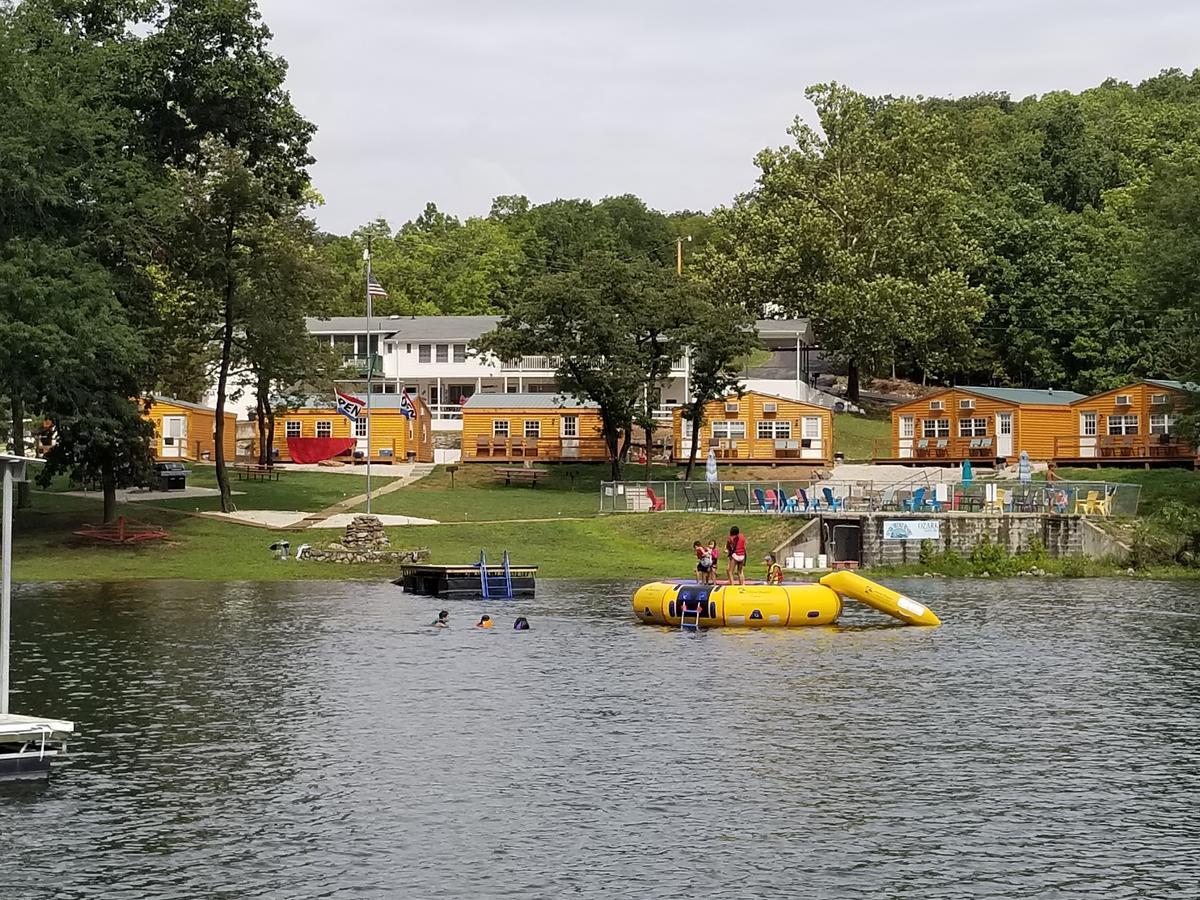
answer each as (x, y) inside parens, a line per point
(317, 741)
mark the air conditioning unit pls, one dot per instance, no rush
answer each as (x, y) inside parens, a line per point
(966, 404)
(770, 407)
(1158, 399)
(731, 407)
(1124, 400)
(937, 404)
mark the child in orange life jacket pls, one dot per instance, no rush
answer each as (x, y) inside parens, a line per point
(774, 569)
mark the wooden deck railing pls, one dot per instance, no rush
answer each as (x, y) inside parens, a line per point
(939, 449)
(1127, 446)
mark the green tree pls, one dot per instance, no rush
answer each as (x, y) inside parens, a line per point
(609, 330)
(719, 337)
(853, 225)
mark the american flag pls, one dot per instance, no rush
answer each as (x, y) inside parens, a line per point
(375, 289)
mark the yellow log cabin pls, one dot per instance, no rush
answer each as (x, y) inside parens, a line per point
(395, 438)
(1134, 424)
(546, 427)
(983, 424)
(756, 427)
(186, 431)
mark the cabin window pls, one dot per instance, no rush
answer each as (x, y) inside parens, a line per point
(728, 429)
(443, 353)
(1159, 399)
(424, 353)
(291, 428)
(1087, 424)
(570, 426)
(1122, 424)
(500, 428)
(324, 428)
(935, 428)
(811, 429)
(1162, 424)
(907, 426)
(778, 429)
(972, 427)
(360, 427)
(533, 428)
(460, 353)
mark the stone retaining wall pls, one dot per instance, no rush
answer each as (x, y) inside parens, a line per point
(318, 554)
(1062, 536)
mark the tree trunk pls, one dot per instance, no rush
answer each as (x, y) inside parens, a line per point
(697, 421)
(223, 383)
(852, 382)
(262, 405)
(108, 484)
(17, 445)
(648, 430)
(270, 435)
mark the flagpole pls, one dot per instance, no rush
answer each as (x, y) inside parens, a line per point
(370, 369)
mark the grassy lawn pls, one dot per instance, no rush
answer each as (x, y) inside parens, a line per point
(634, 545)
(479, 495)
(307, 491)
(855, 435)
(1158, 485)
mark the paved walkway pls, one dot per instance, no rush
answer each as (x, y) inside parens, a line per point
(415, 473)
(136, 495)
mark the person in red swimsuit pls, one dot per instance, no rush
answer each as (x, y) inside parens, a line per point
(735, 547)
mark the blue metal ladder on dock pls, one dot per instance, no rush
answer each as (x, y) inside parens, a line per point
(486, 586)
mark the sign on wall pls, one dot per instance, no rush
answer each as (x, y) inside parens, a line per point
(912, 530)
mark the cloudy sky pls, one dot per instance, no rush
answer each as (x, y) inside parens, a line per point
(456, 101)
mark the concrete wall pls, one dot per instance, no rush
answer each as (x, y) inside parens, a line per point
(1062, 536)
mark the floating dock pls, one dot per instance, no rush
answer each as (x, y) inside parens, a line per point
(470, 581)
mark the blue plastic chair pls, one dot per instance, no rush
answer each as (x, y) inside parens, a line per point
(761, 499)
(914, 503)
(835, 503)
(806, 503)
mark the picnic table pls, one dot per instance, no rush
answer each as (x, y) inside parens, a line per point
(520, 474)
(254, 472)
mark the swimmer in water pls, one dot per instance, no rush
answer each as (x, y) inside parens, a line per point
(443, 619)
(484, 622)
(521, 624)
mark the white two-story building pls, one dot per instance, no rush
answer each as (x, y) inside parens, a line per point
(429, 356)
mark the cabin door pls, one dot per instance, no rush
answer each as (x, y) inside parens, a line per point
(174, 437)
(1004, 434)
(907, 430)
(811, 444)
(568, 433)
(1087, 434)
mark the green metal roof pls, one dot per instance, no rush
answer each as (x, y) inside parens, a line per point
(1172, 385)
(1047, 397)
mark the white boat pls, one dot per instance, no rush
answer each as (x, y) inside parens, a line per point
(28, 745)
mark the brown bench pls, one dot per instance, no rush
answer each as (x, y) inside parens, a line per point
(521, 475)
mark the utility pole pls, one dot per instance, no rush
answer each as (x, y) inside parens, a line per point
(370, 370)
(679, 254)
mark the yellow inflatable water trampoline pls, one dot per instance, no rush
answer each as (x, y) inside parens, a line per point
(692, 605)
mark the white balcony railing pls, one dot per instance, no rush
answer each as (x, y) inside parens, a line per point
(529, 364)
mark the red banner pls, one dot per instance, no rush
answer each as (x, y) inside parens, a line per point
(314, 450)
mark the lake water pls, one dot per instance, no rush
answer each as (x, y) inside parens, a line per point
(315, 740)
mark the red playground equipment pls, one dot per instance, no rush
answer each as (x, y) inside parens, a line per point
(123, 531)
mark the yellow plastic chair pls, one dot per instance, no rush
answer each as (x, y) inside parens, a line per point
(1104, 507)
(1089, 505)
(999, 502)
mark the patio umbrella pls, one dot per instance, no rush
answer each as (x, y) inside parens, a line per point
(1024, 468)
(968, 474)
(710, 468)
